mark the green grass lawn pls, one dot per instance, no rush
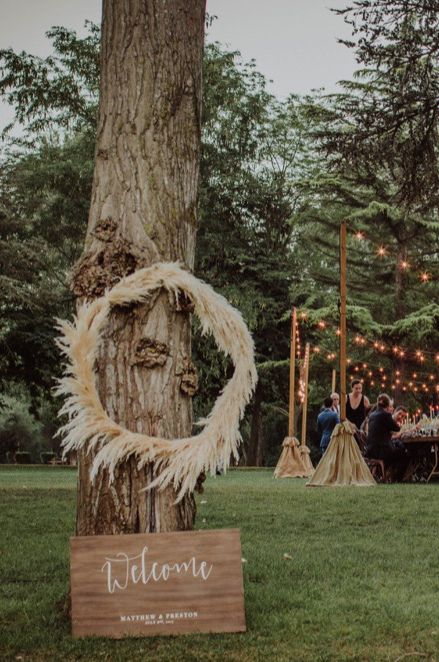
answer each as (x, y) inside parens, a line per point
(362, 584)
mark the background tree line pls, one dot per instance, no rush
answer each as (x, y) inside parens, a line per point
(276, 179)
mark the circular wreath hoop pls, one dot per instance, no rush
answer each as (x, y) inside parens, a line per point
(179, 461)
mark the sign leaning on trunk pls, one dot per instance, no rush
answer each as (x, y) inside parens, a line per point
(160, 583)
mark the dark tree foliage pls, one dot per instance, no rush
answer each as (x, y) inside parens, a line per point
(44, 198)
(57, 91)
(251, 160)
(387, 117)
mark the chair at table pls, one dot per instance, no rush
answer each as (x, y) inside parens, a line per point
(379, 471)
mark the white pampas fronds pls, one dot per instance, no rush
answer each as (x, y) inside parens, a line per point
(178, 461)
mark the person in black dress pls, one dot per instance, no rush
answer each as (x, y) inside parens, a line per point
(357, 404)
(383, 431)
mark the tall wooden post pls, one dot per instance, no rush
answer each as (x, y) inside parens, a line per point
(305, 395)
(291, 463)
(343, 321)
(292, 373)
(334, 379)
(342, 463)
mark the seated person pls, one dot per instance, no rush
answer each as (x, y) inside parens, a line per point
(382, 431)
(335, 402)
(400, 414)
(361, 436)
(326, 422)
(365, 424)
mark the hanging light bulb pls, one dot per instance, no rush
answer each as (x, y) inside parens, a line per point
(425, 277)
(382, 251)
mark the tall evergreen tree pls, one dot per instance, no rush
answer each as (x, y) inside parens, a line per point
(389, 116)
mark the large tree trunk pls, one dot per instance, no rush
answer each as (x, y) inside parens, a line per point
(143, 210)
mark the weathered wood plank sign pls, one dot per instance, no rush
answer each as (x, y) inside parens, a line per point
(162, 583)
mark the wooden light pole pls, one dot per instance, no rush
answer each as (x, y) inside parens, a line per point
(291, 406)
(305, 395)
(304, 450)
(342, 463)
(291, 463)
(343, 321)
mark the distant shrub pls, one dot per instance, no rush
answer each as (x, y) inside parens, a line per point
(20, 432)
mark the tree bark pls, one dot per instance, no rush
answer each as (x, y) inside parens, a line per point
(143, 210)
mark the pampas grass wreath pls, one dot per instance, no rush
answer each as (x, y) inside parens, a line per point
(178, 461)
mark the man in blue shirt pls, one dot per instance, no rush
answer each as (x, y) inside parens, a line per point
(326, 422)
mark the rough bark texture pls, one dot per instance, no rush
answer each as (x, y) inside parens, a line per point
(143, 210)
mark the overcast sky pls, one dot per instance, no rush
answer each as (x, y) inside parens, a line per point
(294, 42)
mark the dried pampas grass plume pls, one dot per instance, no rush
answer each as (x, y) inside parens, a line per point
(178, 461)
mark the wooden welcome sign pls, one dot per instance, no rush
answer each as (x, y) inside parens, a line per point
(161, 583)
